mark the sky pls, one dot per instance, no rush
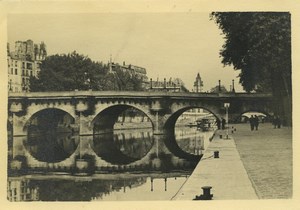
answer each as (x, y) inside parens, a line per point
(168, 45)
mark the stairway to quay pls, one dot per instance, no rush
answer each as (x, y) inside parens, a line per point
(246, 165)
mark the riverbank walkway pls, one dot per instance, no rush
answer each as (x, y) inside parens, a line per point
(251, 165)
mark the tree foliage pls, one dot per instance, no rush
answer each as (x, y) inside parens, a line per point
(68, 72)
(258, 44)
(216, 89)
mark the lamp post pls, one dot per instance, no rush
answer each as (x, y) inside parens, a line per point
(227, 105)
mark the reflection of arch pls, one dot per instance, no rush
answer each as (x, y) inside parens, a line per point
(170, 140)
(104, 145)
(110, 147)
(105, 119)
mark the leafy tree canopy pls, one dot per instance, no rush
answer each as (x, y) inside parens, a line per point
(258, 44)
(68, 72)
(216, 89)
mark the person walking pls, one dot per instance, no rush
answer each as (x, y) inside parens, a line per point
(278, 122)
(251, 120)
(223, 123)
(218, 121)
(256, 122)
(274, 122)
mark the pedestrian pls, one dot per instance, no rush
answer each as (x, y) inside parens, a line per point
(274, 122)
(256, 122)
(278, 122)
(218, 123)
(251, 120)
(223, 123)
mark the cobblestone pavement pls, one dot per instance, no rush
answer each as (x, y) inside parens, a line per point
(267, 157)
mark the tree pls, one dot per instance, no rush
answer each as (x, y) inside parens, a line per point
(123, 80)
(259, 44)
(216, 89)
(68, 72)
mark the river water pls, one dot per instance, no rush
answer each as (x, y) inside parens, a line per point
(127, 146)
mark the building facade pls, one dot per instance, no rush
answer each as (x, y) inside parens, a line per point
(140, 72)
(172, 85)
(24, 62)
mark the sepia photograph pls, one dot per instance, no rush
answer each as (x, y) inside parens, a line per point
(148, 104)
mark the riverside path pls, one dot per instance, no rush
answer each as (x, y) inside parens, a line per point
(251, 165)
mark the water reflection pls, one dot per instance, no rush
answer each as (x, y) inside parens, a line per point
(123, 146)
(113, 188)
(52, 146)
(192, 140)
(107, 180)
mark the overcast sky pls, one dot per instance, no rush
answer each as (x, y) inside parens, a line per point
(166, 44)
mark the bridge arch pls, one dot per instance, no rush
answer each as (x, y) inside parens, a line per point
(169, 127)
(47, 112)
(171, 120)
(51, 135)
(106, 118)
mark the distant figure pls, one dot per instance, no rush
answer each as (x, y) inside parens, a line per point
(278, 122)
(274, 121)
(223, 123)
(218, 123)
(256, 122)
(251, 120)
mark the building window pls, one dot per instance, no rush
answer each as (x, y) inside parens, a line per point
(11, 71)
(30, 73)
(23, 65)
(29, 65)
(23, 72)
(16, 71)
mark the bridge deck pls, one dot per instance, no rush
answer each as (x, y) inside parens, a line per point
(135, 94)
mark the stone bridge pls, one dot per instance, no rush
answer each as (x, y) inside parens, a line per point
(97, 112)
(100, 109)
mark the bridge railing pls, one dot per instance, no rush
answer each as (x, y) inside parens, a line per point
(134, 94)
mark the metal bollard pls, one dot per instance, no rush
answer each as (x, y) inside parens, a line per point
(216, 154)
(206, 194)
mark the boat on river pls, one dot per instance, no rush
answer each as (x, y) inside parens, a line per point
(206, 124)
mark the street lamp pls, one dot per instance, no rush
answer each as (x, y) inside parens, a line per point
(227, 105)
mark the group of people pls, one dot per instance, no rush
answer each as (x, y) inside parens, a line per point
(254, 122)
(221, 123)
(276, 122)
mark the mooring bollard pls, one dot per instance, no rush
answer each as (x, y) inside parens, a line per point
(216, 154)
(206, 194)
